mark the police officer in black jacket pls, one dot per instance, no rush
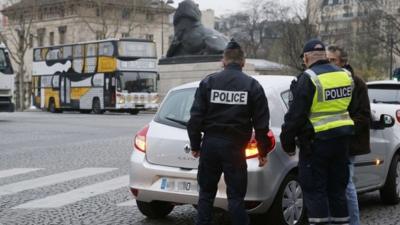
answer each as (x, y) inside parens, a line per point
(318, 122)
(227, 106)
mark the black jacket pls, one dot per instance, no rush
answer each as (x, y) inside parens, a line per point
(229, 104)
(296, 122)
(360, 112)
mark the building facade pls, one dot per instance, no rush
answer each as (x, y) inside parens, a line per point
(358, 25)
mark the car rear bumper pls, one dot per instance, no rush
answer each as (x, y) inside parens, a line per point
(146, 179)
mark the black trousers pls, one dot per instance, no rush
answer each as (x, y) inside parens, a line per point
(324, 175)
(219, 156)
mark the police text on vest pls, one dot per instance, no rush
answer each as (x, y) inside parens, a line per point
(229, 97)
(338, 93)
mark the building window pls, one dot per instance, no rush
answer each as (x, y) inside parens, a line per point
(30, 43)
(150, 37)
(126, 13)
(100, 35)
(149, 17)
(98, 12)
(51, 38)
(125, 35)
(40, 35)
(62, 31)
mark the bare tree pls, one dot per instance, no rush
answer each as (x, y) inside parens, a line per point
(252, 27)
(16, 35)
(296, 29)
(110, 17)
(384, 27)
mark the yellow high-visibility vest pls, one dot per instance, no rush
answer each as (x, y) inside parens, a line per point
(333, 91)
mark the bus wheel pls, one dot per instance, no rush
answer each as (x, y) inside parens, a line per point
(134, 111)
(96, 107)
(52, 106)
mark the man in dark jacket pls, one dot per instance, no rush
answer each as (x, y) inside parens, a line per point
(227, 106)
(360, 112)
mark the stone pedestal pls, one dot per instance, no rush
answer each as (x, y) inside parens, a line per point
(177, 72)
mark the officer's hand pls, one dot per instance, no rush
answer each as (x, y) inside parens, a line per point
(196, 154)
(262, 161)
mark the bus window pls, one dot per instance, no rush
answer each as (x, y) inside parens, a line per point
(53, 54)
(55, 82)
(37, 55)
(106, 49)
(138, 82)
(67, 52)
(91, 50)
(78, 51)
(3, 60)
(137, 49)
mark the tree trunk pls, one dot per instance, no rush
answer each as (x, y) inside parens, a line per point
(21, 89)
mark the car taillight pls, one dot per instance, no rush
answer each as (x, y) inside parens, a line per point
(252, 150)
(140, 139)
(272, 141)
(398, 115)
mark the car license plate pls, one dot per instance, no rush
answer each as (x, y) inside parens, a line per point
(179, 185)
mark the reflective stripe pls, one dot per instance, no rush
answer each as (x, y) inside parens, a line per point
(317, 83)
(318, 220)
(333, 118)
(321, 114)
(340, 219)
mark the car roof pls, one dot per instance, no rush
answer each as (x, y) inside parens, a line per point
(277, 82)
(384, 82)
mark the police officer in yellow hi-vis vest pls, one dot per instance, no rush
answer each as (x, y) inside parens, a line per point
(318, 122)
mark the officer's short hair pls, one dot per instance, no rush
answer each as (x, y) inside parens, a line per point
(234, 56)
(343, 56)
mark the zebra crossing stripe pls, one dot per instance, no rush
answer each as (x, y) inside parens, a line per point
(14, 188)
(17, 171)
(59, 200)
(127, 203)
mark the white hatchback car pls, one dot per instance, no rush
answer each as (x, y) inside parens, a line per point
(163, 172)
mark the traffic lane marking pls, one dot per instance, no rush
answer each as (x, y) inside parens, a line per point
(17, 171)
(14, 188)
(59, 200)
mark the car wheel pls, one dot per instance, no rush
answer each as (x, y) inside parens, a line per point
(134, 111)
(96, 106)
(155, 209)
(288, 207)
(390, 192)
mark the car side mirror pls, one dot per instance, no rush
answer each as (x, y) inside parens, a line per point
(385, 121)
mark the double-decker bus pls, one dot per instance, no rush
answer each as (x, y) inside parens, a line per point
(6, 81)
(114, 75)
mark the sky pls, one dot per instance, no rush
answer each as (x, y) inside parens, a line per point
(225, 6)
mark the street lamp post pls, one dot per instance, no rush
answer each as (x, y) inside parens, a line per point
(163, 3)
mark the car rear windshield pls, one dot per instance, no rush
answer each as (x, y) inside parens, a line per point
(388, 94)
(175, 111)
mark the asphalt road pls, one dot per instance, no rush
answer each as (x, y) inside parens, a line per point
(72, 168)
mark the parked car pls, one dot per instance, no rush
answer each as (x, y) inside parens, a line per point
(163, 172)
(385, 99)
